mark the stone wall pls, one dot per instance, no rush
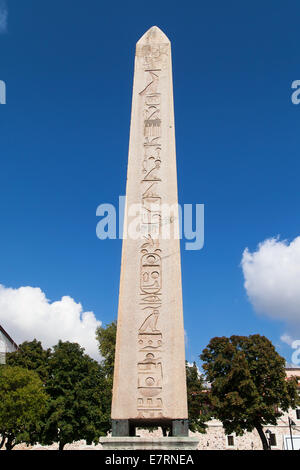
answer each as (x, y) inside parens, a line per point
(214, 438)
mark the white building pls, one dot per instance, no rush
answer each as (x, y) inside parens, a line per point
(7, 344)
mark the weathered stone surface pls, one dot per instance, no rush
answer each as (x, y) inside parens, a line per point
(149, 379)
(157, 443)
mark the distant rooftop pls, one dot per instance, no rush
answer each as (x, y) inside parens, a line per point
(291, 367)
(8, 337)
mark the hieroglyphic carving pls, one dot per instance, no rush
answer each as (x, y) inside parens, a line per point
(150, 407)
(151, 156)
(150, 386)
(150, 337)
(154, 300)
(151, 244)
(152, 84)
(154, 55)
(149, 324)
(150, 341)
(151, 273)
(151, 211)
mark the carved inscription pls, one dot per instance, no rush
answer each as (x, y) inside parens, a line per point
(150, 336)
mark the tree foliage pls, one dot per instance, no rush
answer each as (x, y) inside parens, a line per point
(32, 356)
(75, 386)
(78, 405)
(249, 388)
(198, 399)
(23, 403)
(106, 337)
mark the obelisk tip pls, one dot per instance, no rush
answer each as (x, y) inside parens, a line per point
(154, 35)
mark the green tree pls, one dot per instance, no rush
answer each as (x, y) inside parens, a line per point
(23, 403)
(198, 399)
(106, 337)
(248, 383)
(31, 356)
(75, 385)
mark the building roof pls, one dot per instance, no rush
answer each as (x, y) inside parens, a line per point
(8, 337)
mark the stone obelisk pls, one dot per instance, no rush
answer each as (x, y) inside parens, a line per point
(149, 377)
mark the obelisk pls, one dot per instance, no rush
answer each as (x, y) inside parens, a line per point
(149, 376)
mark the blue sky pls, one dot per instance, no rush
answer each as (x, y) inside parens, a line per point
(68, 67)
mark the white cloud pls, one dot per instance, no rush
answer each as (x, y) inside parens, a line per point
(3, 17)
(26, 313)
(272, 282)
(287, 339)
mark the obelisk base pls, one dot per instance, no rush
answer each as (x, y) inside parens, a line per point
(126, 427)
(149, 443)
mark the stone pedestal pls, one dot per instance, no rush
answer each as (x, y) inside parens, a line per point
(125, 427)
(149, 443)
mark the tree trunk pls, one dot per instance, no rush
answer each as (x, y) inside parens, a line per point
(9, 443)
(61, 445)
(2, 441)
(262, 436)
